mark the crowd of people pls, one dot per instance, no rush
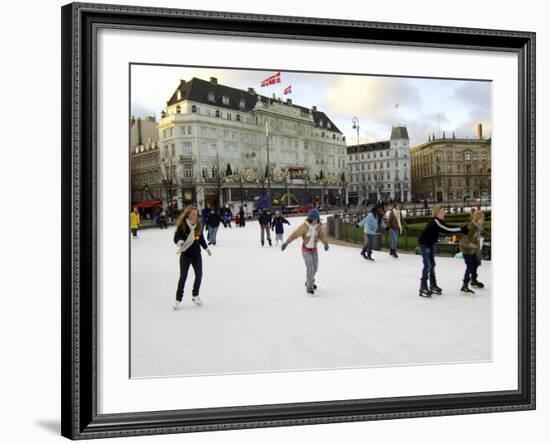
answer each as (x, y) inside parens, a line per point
(189, 240)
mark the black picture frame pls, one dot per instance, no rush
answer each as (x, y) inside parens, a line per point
(80, 419)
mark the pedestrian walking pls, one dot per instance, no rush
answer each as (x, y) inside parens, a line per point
(189, 241)
(426, 242)
(470, 246)
(277, 225)
(135, 221)
(311, 231)
(371, 224)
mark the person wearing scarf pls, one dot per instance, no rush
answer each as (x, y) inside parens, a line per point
(189, 241)
(311, 232)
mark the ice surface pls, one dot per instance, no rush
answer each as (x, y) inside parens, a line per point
(256, 315)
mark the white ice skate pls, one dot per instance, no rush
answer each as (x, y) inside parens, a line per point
(176, 305)
(197, 300)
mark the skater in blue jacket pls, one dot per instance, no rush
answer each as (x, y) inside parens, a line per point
(371, 223)
(277, 226)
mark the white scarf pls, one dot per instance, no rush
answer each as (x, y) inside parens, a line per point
(312, 233)
(190, 238)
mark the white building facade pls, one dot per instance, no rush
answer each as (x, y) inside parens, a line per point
(380, 171)
(213, 141)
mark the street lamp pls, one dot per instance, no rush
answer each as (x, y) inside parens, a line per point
(355, 126)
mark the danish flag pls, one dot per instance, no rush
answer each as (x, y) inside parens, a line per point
(271, 80)
(287, 90)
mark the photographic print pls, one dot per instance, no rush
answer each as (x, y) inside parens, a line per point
(291, 220)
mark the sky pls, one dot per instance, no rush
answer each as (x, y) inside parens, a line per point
(426, 106)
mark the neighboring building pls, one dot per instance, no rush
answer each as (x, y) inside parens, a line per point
(380, 171)
(146, 179)
(214, 138)
(452, 170)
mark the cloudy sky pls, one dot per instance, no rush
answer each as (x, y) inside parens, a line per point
(425, 106)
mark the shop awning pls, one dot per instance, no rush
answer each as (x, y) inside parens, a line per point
(146, 204)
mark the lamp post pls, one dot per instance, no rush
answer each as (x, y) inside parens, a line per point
(355, 126)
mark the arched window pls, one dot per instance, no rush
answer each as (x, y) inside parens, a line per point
(178, 109)
(194, 108)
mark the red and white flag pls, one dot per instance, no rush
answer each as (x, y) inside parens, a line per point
(271, 80)
(287, 90)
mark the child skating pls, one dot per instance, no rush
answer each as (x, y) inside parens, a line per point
(311, 231)
(189, 240)
(470, 246)
(277, 226)
(426, 242)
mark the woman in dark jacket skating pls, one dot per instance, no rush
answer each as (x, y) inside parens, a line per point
(277, 226)
(189, 240)
(426, 241)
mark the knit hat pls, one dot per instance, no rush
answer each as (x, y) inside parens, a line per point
(313, 214)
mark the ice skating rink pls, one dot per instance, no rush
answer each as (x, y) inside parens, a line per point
(256, 315)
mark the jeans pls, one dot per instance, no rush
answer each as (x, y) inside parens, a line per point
(472, 264)
(368, 245)
(428, 268)
(265, 231)
(185, 263)
(311, 259)
(393, 234)
(212, 232)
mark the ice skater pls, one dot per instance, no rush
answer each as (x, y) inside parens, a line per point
(265, 223)
(213, 223)
(311, 231)
(277, 226)
(470, 246)
(395, 225)
(135, 222)
(189, 241)
(426, 242)
(371, 223)
(242, 221)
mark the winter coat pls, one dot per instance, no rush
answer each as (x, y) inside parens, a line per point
(277, 224)
(470, 243)
(303, 230)
(213, 220)
(135, 220)
(195, 249)
(264, 218)
(394, 219)
(371, 223)
(430, 234)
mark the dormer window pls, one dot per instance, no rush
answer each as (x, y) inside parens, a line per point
(242, 104)
(178, 109)
(194, 108)
(225, 100)
(211, 97)
(321, 123)
(179, 94)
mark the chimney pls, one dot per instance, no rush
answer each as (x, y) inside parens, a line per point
(213, 80)
(251, 91)
(314, 108)
(479, 131)
(288, 101)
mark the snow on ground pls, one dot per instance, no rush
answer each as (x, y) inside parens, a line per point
(256, 315)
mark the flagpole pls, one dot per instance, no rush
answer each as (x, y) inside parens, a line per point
(268, 167)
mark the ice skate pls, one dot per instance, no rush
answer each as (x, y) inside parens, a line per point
(310, 291)
(425, 292)
(314, 285)
(176, 305)
(363, 255)
(262, 243)
(434, 289)
(477, 284)
(369, 257)
(197, 300)
(269, 240)
(465, 290)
